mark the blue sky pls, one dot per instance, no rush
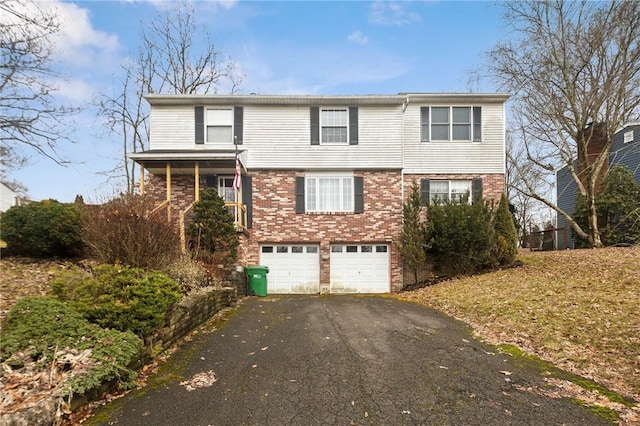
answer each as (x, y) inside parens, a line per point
(280, 47)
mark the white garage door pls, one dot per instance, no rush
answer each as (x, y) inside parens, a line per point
(360, 268)
(293, 268)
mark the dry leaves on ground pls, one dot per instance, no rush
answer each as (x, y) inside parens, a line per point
(577, 309)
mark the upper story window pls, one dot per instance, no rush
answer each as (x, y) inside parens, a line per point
(449, 123)
(329, 193)
(219, 122)
(334, 125)
(218, 125)
(628, 136)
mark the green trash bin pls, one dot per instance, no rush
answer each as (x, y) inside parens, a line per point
(257, 276)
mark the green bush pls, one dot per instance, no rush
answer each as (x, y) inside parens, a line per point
(461, 236)
(413, 241)
(124, 230)
(617, 207)
(42, 229)
(119, 297)
(213, 232)
(38, 326)
(506, 234)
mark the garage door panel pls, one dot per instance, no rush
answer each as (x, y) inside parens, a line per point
(293, 268)
(360, 268)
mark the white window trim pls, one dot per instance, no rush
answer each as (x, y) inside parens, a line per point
(322, 125)
(450, 134)
(628, 136)
(206, 125)
(469, 191)
(328, 175)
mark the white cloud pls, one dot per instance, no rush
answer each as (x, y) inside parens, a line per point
(76, 90)
(282, 68)
(78, 43)
(391, 13)
(358, 38)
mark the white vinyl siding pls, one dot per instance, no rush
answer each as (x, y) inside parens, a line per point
(445, 157)
(278, 137)
(172, 127)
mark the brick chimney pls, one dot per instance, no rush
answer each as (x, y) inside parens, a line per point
(596, 137)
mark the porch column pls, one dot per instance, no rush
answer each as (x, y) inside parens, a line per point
(141, 179)
(169, 192)
(197, 183)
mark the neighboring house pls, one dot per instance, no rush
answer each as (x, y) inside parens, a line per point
(323, 177)
(9, 198)
(625, 151)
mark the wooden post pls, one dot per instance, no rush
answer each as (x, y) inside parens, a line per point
(168, 192)
(197, 183)
(141, 179)
(183, 238)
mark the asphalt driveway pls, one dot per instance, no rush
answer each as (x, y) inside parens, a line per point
(341, 360)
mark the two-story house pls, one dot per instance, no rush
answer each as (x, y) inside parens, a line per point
(323, 177)
(625, 151)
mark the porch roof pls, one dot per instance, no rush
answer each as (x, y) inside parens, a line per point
(184, 161)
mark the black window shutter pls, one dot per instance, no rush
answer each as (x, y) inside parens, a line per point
(199, 121)
(238, 115)
(211, 181)
(315, 125)
(477, 189)
(353, 125)
(300, 195)
(424, 191)
(358, 194)
(247, 194)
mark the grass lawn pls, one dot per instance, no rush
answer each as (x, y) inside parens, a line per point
(578, 309)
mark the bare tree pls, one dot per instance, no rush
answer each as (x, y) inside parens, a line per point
(572, 68)
(175, 56)
(31, 119)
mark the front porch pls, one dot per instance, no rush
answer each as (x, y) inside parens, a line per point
(175, 179)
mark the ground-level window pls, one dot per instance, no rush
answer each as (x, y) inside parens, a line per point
(329, 193)
(449, 190)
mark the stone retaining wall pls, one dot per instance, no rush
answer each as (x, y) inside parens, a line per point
(182, 318)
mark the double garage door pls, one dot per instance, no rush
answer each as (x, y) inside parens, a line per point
(355, 268)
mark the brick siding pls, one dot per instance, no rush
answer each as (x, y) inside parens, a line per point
(275, 219)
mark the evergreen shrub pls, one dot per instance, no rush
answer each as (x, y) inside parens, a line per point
(42, 229)
(38, 326)
(119, 297)
(461, 236)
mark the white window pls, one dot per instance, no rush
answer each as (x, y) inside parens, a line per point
(334, 125)
(219, 122)
(628, 136)
(329, 193)
(449, 190)
(449, 123)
